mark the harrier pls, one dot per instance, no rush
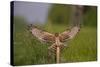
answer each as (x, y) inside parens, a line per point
(56, 39)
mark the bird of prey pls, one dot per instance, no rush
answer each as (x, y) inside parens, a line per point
(56, 39)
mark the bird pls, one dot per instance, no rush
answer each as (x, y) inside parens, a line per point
(57, 39)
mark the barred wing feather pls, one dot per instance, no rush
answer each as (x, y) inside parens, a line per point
(66, 35)
(43, 35)
(73, 32)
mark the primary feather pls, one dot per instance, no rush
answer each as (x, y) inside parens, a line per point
(42, 35)
(48, 37)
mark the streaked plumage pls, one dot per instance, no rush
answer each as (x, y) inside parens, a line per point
(56, 39)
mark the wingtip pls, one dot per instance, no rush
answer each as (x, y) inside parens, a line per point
(29, 27)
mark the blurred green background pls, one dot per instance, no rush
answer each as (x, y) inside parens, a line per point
(28, 50)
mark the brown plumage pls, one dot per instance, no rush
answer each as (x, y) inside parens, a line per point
(56, 39)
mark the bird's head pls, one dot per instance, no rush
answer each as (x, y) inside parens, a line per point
(56, 34)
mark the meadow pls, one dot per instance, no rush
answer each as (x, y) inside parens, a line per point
(28, 50)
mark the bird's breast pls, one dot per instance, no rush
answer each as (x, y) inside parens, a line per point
(57, 41)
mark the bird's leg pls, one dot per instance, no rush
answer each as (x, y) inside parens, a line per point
(57, 54)
(58, 50)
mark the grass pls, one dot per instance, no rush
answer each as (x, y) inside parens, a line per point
(82, 47)
(28, 50)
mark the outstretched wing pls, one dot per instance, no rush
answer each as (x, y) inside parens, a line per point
(42, 35)
(69, 34)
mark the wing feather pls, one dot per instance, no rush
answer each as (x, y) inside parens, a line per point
(69, 34)
(73, 32)
(42, 35)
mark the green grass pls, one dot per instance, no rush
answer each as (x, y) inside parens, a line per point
(83, 47)
(28, 50)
